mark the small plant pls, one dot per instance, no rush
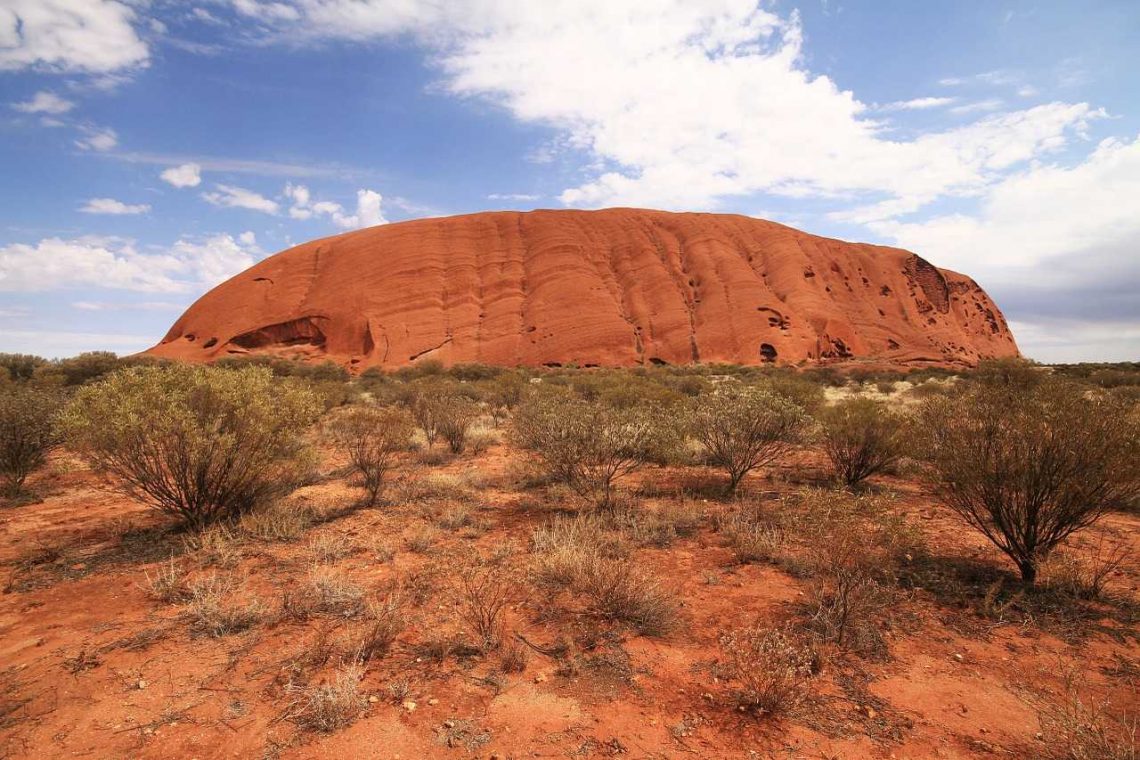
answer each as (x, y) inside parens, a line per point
(200, 444)
(485, 594)
(591, 445)
(772, 669)
(324, 591)
(331, 706)
(279, 521)
(1074, 727)
(327, 548)
(1030, 462)
(619, 591)
(215, 611)
(743, 428)
(752, 540)
(168, 584)
(514, 657)
(28, 432)
(861, 437)
(422, 539)
(371, 437)
(384, 621)
(441, 411)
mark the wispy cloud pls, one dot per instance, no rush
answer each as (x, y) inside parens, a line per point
(230, 196)
(113, 207)
(45, 102)
(917, 104)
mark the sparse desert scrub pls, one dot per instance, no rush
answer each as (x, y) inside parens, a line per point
(742, 428)
(442, 411)
(384, 620)
(279, 521)
(752, 539)
(330, 706)
(28, 432)
(591, 445)
(167, 583)
(197, 443)
(1085, 574)
(485, 593)
(215, 608)
(371, 437)
(773, 671)
(1077, 726)
(862, 437)
(325, 591)
(1028, 460)
(619, 591)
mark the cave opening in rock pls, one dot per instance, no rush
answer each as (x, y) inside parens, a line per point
(767, 352)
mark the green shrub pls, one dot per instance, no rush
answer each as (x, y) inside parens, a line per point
(196, 443)
(28, 432)
(1027, 462)
(862, 437)
(591, 445)
(742, 428)
(371, 437)
(21, 367)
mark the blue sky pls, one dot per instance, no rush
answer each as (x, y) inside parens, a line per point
(151, 149)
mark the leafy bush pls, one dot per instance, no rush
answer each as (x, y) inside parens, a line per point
(773, 670)
(28, 432)
(371, 437)
(1029, 463)
(442, 411)
(862, 437)
(21, 367)
(742, 428)
(196, 443)
(590, 445)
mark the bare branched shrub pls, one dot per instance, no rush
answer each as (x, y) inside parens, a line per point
(371, 437)
(28, 432)
(1075, 727)
(1029, 464)
(331, 706)
(514, 657)
(441, 411)
(485, 594)
(743, 428)
(197, 443)
(384, 621)
(862, 437)
(772, 669)
(216, 610)
(591, 445)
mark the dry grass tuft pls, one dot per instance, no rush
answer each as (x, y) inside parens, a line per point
(1075, 728)
(384, 621)
(772, 669)
(168, 584)
(331, 706)
(215, 610)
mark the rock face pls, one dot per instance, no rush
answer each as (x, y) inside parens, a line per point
(612, 287)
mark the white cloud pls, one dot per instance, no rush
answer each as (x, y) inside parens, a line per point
(990, 104)
(266, 11)
(14, 312)
(368, 208)
(87, 36)
(681, 104)
(112, 206)
(917, 104)
(185, 175)
(1032, 216)
(45, 102)
(187, 266)
(238, 197)
(513, 197)
(57, 344)
(126, 306)
(98, 139)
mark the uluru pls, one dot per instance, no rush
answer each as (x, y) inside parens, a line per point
(614, 287)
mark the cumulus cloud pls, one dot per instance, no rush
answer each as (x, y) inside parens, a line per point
(112, 206)
(917, 104)
(76, 36)
(45, 102)
(97, 138)
(680, 104)
(189, 265)
(185, 175)
(368, 208)
(238, 197)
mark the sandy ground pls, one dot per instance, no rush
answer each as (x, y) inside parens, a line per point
(92, 666)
